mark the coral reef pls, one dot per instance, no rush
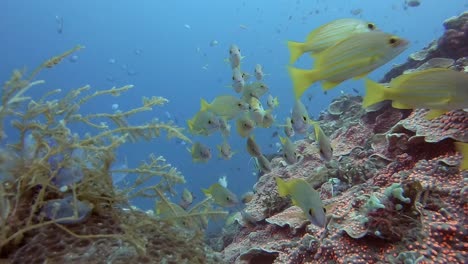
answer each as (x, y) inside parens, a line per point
(394, 192)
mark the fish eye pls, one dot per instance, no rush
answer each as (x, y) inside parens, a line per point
(304, 118)
(324, 210)
(311, 212)
(209, 122)
(233, 78)
(371, 26)
(292, 121)
(228, 199)
(393, 41)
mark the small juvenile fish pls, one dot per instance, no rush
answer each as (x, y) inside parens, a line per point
(225, 151)
(288, 128)
(268, 119)
(221, 195)
(187, 196)
(289, 150)
(247, 197)
(328, 35)
(226, 106)
(272, 102)
(438, 89)
(300, 120)
(326, 150)
(200, 152)
(225, 127)
(238, 80)
(235, 56)
(258, 72)
(354, 57)
(304, 196)
(244, 126)
(203, 123)
(252, 147)
(263, 164)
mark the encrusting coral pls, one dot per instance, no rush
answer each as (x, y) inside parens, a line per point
(57, 200)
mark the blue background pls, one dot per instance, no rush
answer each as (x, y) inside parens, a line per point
(155, 51)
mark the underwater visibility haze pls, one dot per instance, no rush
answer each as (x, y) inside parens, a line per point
(233, 131)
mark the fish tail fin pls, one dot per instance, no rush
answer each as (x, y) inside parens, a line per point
(204, 105)
(463, 149)
(206, 192)
(282, 187)
(302, 79)
(375, 93)
(296, 49)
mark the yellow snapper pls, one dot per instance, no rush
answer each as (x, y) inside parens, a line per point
(328, 35)
(325, 148)
(463, 149)
(225, 150)
(440, 90)
(304, 196)
(252, 147)
(272, 102)
(226, 106)
(353, 57)
(200, 152)
(289, 150)
(203, 123)
(244, 125)
(221, 195)
(235, 56)
(300, 120)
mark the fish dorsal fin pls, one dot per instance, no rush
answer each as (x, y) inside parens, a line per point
(204, 105)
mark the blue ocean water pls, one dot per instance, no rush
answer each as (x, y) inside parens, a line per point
(162, 46)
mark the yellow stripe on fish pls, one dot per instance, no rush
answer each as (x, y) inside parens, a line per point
(439, 90)
(328, 35)
(353, 57)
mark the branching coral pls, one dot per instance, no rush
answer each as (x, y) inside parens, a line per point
(51, 175)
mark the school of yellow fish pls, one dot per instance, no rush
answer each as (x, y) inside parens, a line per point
(343, 49)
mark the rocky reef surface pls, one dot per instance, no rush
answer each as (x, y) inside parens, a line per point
(394, 192)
